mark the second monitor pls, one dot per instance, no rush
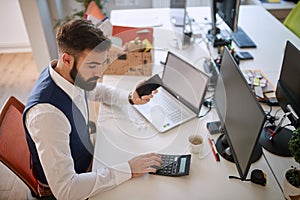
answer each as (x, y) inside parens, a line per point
(228, 11)
(276, 138)
(241, 116)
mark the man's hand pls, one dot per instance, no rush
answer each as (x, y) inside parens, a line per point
(144, 164)
(136, 99)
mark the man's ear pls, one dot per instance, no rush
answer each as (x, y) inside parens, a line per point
(68, 60)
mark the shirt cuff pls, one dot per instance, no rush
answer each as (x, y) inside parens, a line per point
(122, 172)
(123, 94)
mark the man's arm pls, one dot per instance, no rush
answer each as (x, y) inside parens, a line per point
(50, 129)
(115, 96)
(108, 95)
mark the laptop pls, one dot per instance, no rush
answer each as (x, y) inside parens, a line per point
(180, 97)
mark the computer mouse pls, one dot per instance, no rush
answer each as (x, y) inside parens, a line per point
(148, 86)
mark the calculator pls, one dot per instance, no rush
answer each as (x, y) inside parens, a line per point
(174, 165)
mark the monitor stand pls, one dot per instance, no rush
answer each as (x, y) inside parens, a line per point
(224, 150)
(277, 144)
(212, 70)
(217, 38)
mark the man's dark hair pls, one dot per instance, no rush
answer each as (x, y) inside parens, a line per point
(78, 35)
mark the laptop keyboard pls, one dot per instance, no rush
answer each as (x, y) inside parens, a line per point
(173, 110)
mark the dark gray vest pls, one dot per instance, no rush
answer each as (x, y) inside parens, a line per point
(46, 91)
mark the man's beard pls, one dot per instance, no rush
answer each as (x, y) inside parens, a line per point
(88, 85)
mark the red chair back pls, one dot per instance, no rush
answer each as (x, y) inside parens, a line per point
(14, 151)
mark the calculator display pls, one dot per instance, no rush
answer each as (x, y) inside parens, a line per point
(182, 165)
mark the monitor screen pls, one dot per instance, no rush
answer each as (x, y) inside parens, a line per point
(240, 114)
(228, 10)
(288, 86)
(275, 138)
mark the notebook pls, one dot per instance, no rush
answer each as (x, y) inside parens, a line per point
(180, 97)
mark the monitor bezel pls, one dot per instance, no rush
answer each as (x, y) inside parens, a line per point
(243, 174)
(283, 94)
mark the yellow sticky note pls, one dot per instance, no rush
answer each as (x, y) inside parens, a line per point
(256, 81)
(274, 1)
(148, 45)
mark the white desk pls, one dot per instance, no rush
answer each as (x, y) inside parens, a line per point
(269, 35)
(120, 138)
(267, 32)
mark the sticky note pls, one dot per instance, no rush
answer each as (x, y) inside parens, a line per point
(256, 81)
(258, 91)
(148, 45)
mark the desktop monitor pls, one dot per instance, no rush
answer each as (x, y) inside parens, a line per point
(275, 138)
(240, 114)
(228, 10)
(178, 12)
(181, 22)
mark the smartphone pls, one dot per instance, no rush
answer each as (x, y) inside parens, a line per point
(148, 86)
(243, 55)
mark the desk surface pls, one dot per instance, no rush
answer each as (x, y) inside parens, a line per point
(124, 133)
(121, 137)
(268, 33)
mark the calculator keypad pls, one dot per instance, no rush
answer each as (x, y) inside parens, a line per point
(169, 165)
(173, 165)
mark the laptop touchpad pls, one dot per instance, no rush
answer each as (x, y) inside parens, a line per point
(157, 115)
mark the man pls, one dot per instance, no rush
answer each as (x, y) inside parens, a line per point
(56, 117)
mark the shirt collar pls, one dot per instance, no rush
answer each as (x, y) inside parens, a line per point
(70, 89)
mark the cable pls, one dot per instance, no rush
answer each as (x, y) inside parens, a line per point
(235, 177)
(271, 119)
(200, 58)
(290, 124)
(275, 115)
(257, 177)
(269, 112)
(209, 109)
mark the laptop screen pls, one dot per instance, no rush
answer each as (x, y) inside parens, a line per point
(185, 81)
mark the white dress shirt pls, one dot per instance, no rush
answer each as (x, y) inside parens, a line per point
(50, 129)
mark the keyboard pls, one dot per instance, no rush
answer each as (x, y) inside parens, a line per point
(242, 40)
(173, 110)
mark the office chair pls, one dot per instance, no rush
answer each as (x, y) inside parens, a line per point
(292, 21)
(14, 151)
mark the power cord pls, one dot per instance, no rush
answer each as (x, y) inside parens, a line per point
(271, 119)
(209, 109)
(208, 102)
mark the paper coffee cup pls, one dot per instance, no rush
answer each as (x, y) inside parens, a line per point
(196, 143)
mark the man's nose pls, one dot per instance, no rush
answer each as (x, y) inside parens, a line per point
(98, 72)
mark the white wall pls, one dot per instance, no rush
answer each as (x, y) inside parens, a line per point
(39, 17)
(13, 35)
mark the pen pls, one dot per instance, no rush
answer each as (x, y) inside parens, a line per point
(213, 149)
(214, 145)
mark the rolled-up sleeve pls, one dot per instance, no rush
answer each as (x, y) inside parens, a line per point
(50, 130)
(109, 95)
